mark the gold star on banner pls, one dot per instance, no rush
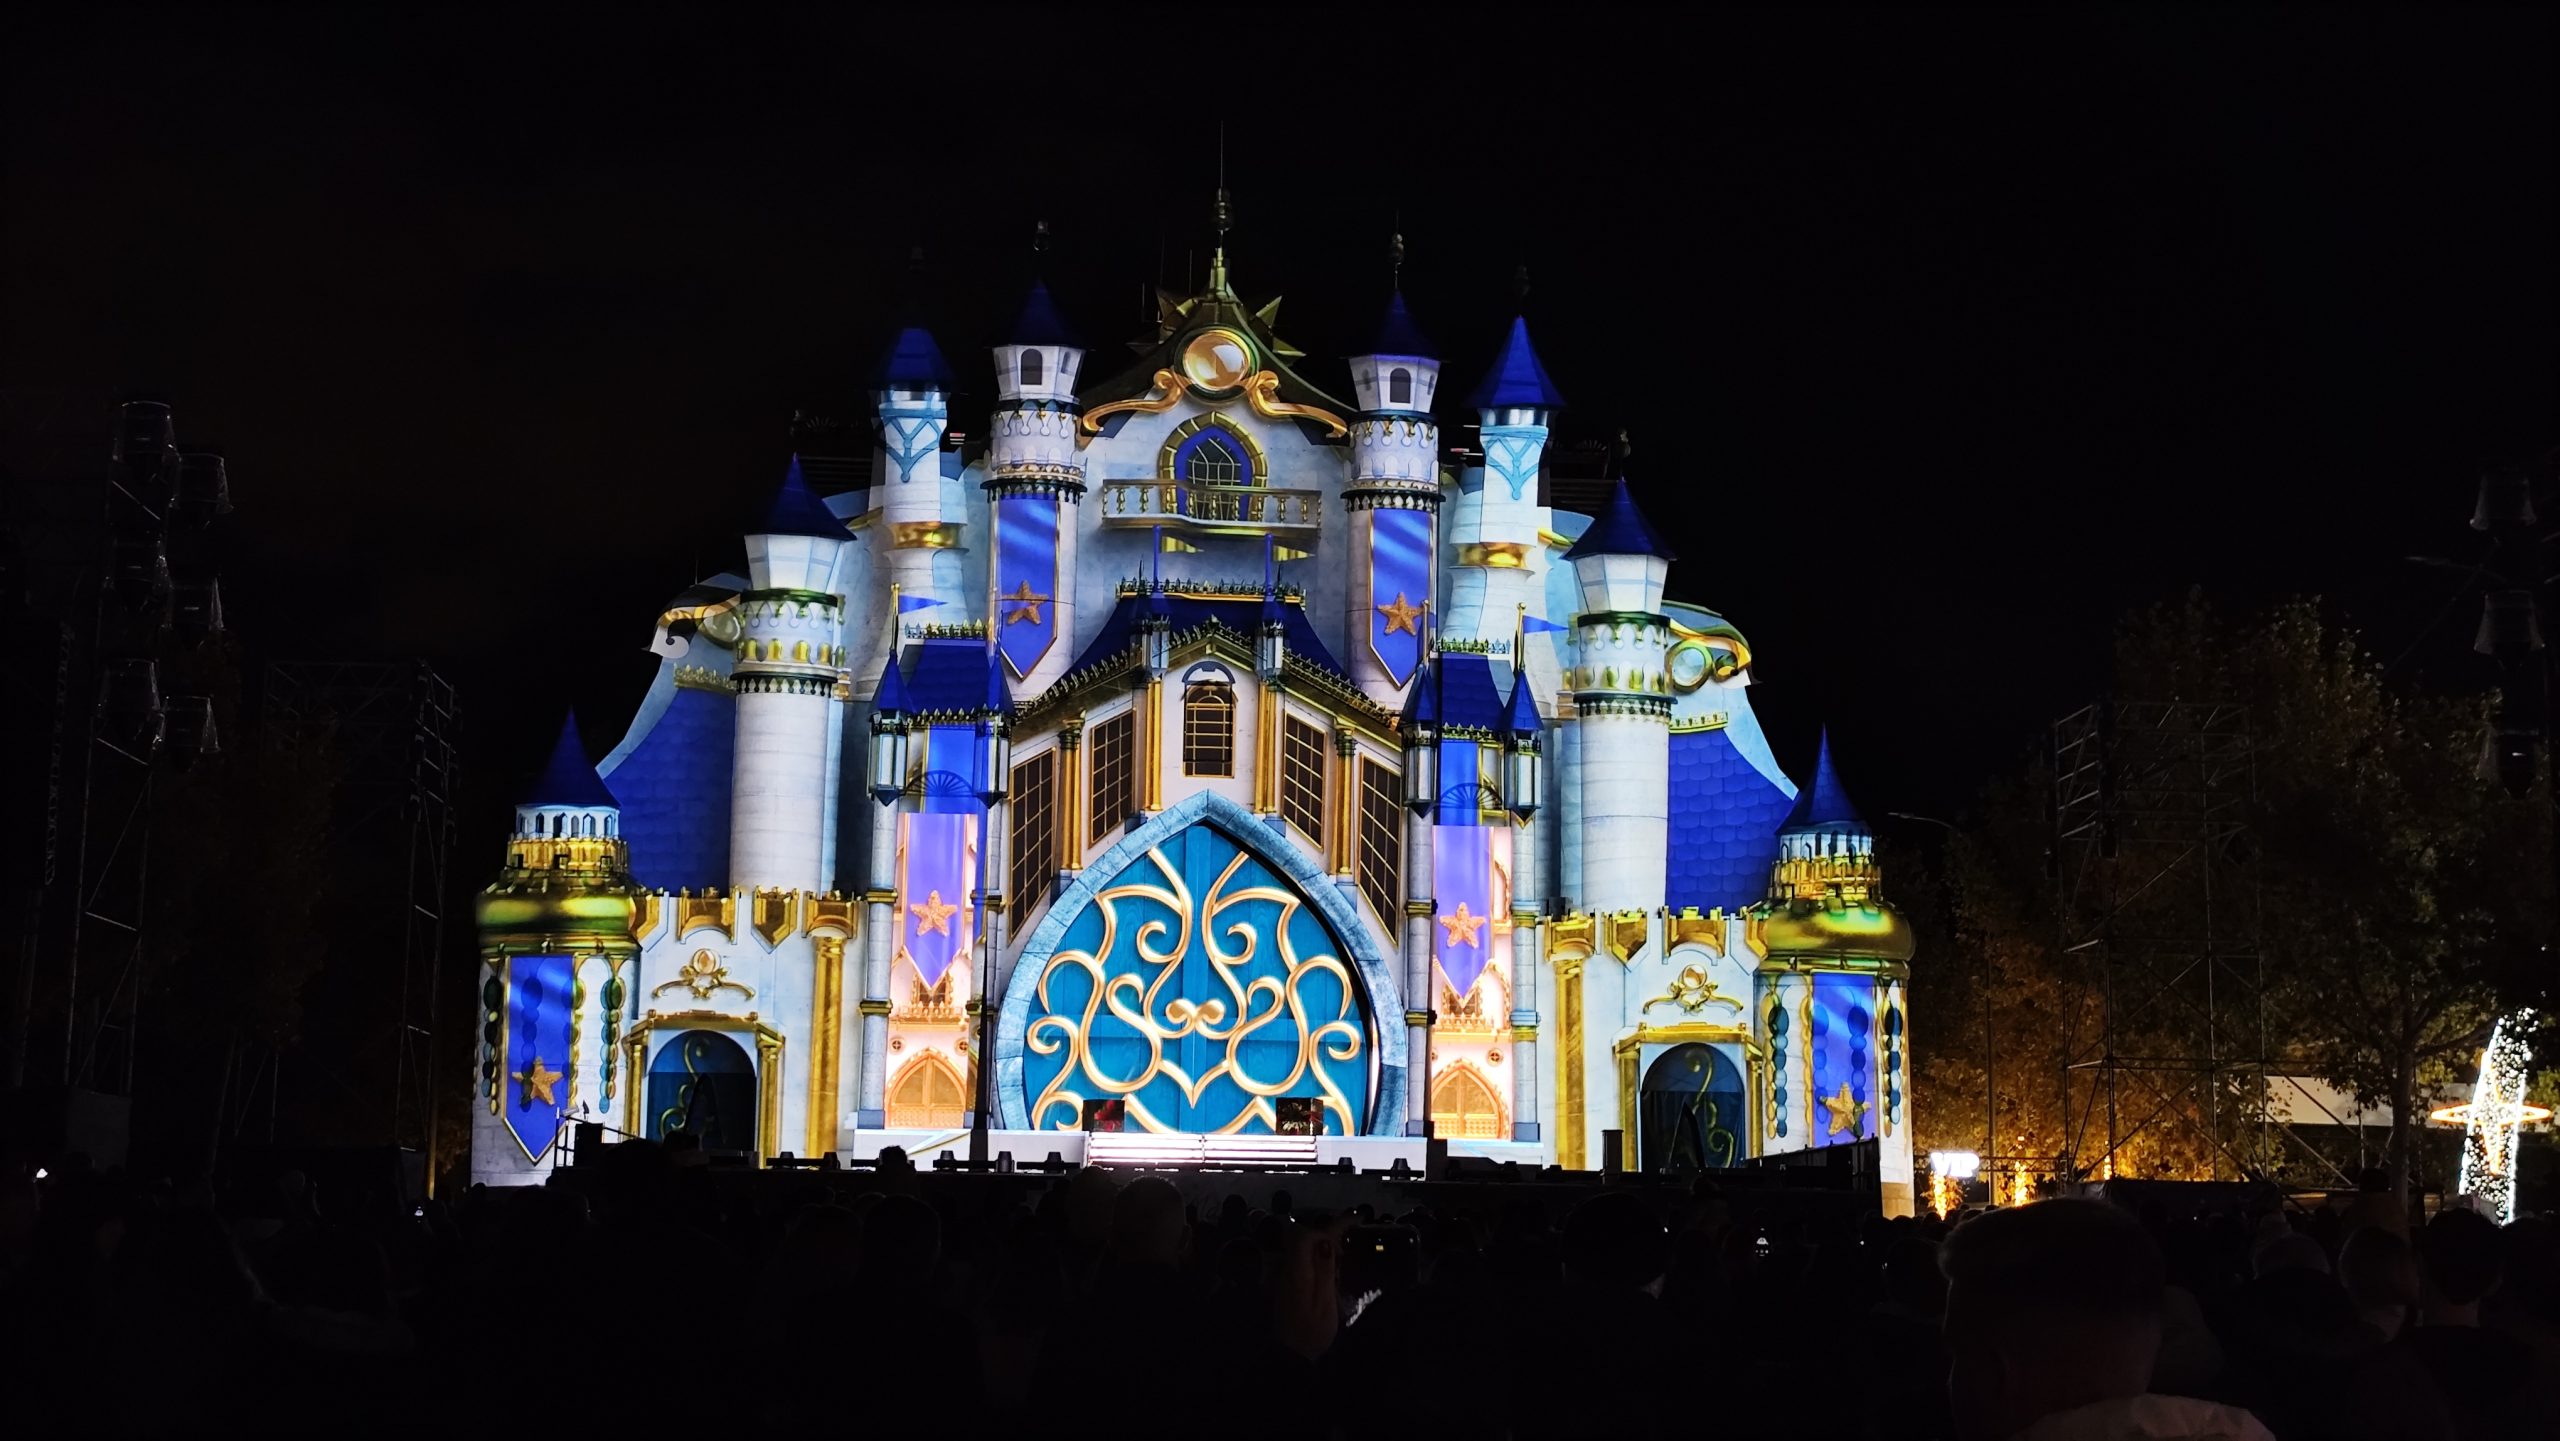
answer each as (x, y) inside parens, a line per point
(1402, 616)
(538, 1081)
(1462, 928)
(932, 915)
(1846, 1111)
(1022, 605)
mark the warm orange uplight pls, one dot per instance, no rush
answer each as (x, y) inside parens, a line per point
(2513, 1113)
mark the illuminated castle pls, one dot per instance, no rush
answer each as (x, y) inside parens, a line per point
(1266, 764)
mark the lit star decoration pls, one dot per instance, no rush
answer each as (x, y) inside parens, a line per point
(1846, 1111)
(538, 1081)
(1402, 615)
(933, 915)
(1463, 928)
(1022, 606)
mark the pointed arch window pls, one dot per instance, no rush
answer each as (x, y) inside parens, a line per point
(1213, 462)
(1400, 386)
(1032, 368)
(1209, 729)
(1464, 1104)
(930, 1094)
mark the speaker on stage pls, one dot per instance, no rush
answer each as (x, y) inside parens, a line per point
(1613, 1153)
(587, 1140)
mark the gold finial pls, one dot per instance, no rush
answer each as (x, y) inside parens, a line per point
(1395, 256)
(1520, 283)
(1040, 237)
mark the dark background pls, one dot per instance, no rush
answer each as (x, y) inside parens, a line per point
(1941, 340)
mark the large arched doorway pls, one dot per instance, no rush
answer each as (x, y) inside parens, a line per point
(704, 1085)
(1692, 1113)
(1202, 987)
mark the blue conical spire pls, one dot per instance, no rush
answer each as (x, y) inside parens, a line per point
(1422, 702)
(569, 778)
(1619, 529)
(999, 701)
(1040, 323)
(913, 362)
(796, 510)
(1398, 335)
(891, 696)
(1523, 718)
(1823, 804)
(1517, 379)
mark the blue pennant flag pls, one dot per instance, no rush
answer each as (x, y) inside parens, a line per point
(1539, 625)
(1026, 579)
(907, 603)
(537, 1090)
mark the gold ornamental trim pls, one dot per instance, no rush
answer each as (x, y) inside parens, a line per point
(1262, 392)
(1626, 933)
(1493, 555)
(925, 535)
(1690, 928)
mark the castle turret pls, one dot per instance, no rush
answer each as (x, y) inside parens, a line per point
(1622, 704)
(924, 512)
(790, 720)
(1035, 481)
(1496, 529)
(1393, 500)
(565, 900)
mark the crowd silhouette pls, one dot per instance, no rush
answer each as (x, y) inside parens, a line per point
(652, 1291)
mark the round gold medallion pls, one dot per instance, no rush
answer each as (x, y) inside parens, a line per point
(1217, 360)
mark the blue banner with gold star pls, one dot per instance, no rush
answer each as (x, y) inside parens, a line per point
(937, 868)
(1399, 588)
(542, 1021)
(1841, 1041)
(1026, 579)
(1462, 934)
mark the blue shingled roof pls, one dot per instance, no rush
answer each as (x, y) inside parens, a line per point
(1244, 617)
(1825, 802)
(947, 676)
(796, 510)
(1040, 323)
(1468, 696)
(1516, 377)
(998, 695)
(892, 694)
(1398, 335)
(674, 788)
(914, 361)
(1724, 824)
(1620, 529)
(569, 778)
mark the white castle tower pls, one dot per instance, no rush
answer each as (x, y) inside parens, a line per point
(1035, 485)
(790, 719)
(1622, 707)
(1392, 505)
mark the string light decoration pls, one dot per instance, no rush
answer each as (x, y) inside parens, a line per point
(2493, 1120)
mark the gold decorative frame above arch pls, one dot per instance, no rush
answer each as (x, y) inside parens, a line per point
(1630, 1054)
(768, 1069)
(1257, 463)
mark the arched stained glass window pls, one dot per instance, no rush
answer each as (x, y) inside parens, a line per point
(1209, 729)
(1213, 462)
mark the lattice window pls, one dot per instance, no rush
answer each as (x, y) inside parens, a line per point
(1464, 1105)
(1209, 729)
(1114, 747)
(1211, 462)
(929, 1095)
(1035, 831)
(1381, 859)
(1302, 778)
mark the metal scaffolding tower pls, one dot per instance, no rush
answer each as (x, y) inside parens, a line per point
(395, 729)
(2159, 921)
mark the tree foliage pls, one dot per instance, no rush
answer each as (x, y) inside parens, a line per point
(2387, 891)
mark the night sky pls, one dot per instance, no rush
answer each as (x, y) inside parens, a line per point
(1940, 341)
